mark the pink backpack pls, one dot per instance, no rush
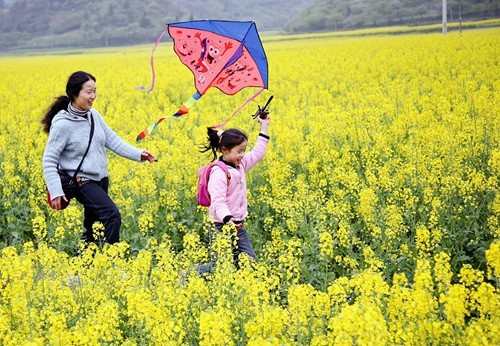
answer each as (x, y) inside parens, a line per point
(202, 195)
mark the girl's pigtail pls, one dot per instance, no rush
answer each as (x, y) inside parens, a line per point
(213, 142)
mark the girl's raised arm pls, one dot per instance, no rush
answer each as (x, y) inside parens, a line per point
(259, 150)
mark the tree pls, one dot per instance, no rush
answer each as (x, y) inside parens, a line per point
(145, 21)
(111, 11)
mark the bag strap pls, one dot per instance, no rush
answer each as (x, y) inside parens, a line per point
(224, 168)
(88, 146)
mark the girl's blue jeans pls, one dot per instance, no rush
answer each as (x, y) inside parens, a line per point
(243, 245)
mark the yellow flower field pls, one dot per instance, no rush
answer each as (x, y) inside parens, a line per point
(375, 213)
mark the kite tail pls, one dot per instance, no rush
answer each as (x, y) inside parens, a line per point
(183, 110)
(152, 64)
(237, 110)
(149, 130)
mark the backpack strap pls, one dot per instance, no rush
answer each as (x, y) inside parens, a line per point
(224, 168)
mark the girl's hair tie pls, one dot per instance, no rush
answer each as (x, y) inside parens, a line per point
(218, 138)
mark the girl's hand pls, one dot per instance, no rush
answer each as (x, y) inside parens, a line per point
(57, 203)
(231, 223)
(147, 156)
(264, 124)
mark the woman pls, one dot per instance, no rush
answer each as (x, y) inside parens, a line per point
(68, 122)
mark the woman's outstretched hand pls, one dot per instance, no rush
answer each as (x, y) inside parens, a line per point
(147, 156)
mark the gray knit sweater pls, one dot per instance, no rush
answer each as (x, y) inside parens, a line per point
(67, 142)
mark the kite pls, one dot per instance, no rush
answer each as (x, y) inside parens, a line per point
(227, 55)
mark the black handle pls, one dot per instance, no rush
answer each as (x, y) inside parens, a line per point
(263, 112)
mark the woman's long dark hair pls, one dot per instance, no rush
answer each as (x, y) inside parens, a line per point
(228, 139)
(73, 87)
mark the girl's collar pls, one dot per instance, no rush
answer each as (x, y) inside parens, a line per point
(228, 163)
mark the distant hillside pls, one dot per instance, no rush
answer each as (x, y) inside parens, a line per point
(91, 23)
(343, 14)
(63, 23)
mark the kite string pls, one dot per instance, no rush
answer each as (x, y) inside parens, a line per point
(237, 110)
(152, 63)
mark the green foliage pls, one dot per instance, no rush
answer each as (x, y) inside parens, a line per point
(77, 23)
(72, 23)
(326, 15)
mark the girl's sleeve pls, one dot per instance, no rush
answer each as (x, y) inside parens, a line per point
(116, 144)
(253, 157)
(53, 149)
(217, 188)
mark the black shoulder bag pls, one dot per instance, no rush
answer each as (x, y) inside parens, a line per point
(69, 183)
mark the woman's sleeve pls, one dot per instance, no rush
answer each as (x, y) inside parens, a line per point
(118, 145)
(259, 150)
(53, 149)
(217, 188)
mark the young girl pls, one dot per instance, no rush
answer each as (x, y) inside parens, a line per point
(228, 195)
(68, 121)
